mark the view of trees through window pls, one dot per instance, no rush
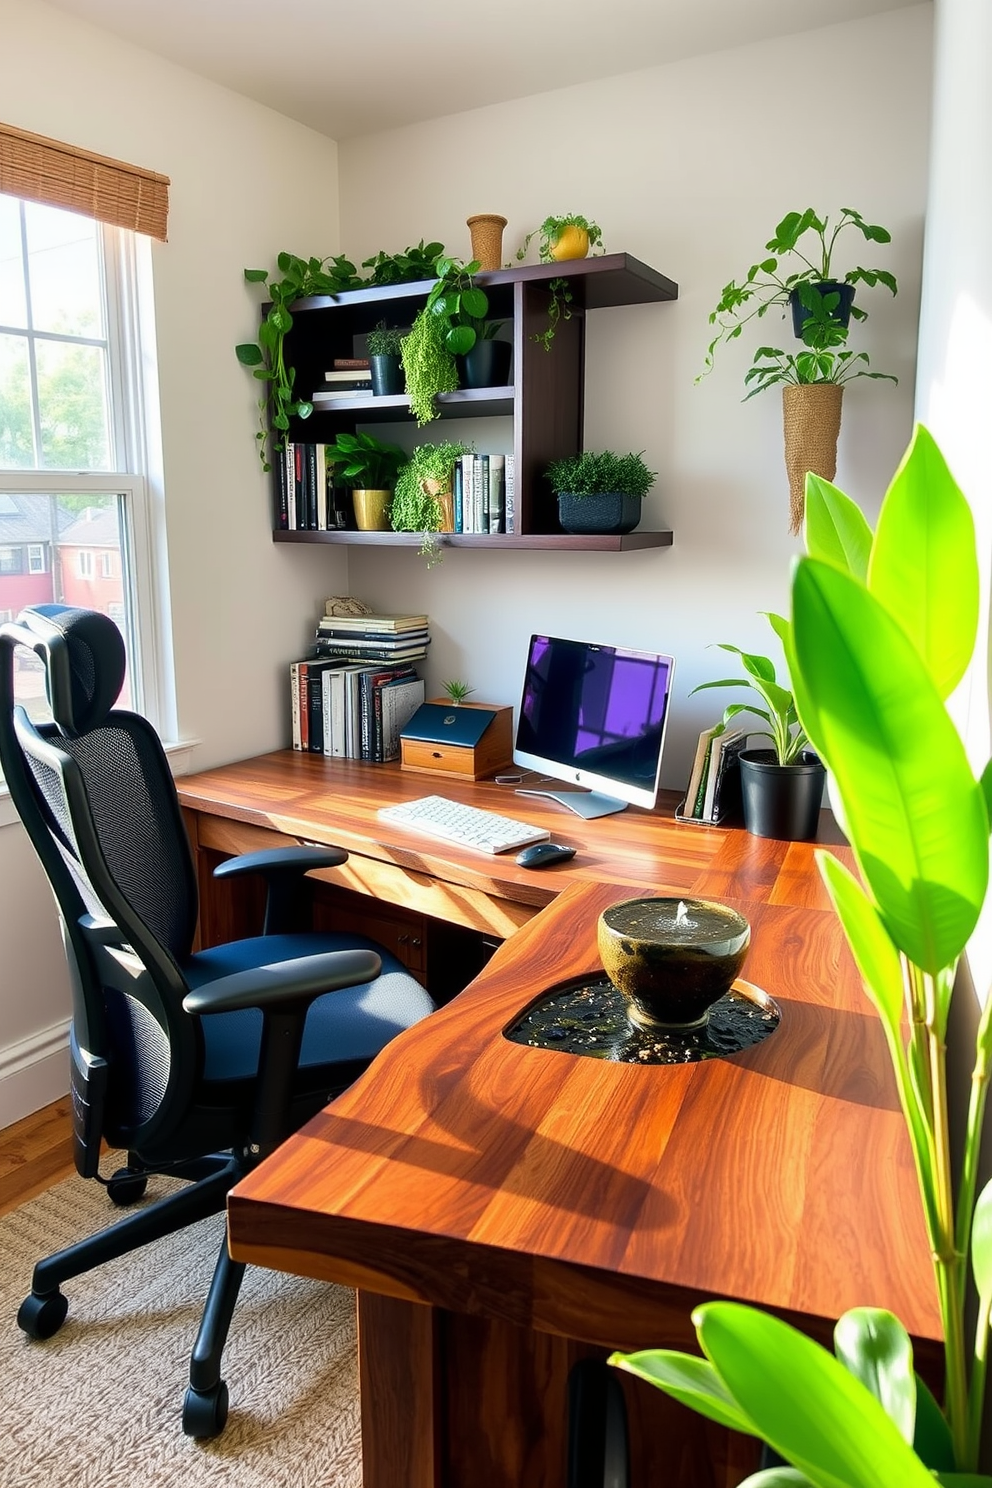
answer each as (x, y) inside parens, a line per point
(63, 539)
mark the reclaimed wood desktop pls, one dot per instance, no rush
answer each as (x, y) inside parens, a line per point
(504, 1211)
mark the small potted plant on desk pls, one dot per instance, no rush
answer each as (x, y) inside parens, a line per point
(370, 467)
(385, 363)
(781, 787)
(600, 492)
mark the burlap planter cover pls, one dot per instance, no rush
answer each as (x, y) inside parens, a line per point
(811, 416)
(487, 240)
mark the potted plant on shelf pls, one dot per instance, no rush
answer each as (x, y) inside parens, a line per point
(822, 307)
(570, 236)
(448, 326)
(600, 491)
(370, 467)
(383, 344)
(883, 630)
(781, 787)
(423, 501)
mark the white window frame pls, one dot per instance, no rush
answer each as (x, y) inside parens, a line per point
(84, 563)
(135, 437)
(36, 558)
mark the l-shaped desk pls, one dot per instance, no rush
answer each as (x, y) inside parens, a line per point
(504, 1211)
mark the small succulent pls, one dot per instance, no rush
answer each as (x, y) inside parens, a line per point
(456, 692)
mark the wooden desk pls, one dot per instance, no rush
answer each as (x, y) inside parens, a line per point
(504, 1211)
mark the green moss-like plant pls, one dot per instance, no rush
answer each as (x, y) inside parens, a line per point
(385, 340)
(428, 366)
(415, 509)
(595, 473)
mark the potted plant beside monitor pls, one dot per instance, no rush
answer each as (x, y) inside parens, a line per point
(781, 787)
(600, 491)
(370, 467)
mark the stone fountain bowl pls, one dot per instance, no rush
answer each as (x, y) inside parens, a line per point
(670, 958)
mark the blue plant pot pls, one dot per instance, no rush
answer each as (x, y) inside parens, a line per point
(610, 511)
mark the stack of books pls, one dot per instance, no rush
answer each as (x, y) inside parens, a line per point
(714, 789)
(350, 377)
(351, 698)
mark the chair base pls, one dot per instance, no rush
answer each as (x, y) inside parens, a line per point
(43, 1312)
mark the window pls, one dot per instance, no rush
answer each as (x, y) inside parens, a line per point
(74, 454)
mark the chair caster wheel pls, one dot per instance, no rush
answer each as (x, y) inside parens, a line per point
(205, 1411)
(126, 1187)
(41, 1317)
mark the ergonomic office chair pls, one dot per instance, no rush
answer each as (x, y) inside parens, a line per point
(197, 1064)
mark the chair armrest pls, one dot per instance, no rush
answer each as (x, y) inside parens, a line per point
(283, 869)
(283, 983)
(276, 860)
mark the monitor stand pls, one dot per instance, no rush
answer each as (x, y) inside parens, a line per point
(587, 804)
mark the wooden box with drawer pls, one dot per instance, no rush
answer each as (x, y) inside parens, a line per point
(494, 750)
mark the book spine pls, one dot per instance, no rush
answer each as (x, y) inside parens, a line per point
(294, 702)
(320, 481)
(509, 494)
(365, 715)
(458, 496)
(280, 508)
(310, 485)
(481, 493)
(325, 703)
(315, 692)
(358, 364)
(468, 492)
(299, 487)
(289, 462)
(337, 713)
(305, 706)
(497, 467)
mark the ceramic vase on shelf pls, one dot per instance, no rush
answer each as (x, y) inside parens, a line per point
(372, 510)
(487, 240)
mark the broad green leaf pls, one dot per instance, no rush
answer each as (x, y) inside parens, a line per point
(836, 529)
(249, 355)
(915, 814)
(778, 1477)
(475, 303)
(804, 1403)
(459, 340)
(877, 958)
(986, 784)
(924, 567)
(932, 1441)
(875, 1347)
(689, 1379)
(981, 1243)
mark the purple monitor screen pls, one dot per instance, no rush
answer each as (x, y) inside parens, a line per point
(597, 709)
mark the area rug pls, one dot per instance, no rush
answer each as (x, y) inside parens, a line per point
(100, 1403)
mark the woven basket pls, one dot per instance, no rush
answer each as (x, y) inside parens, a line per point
(811, 416)
(487, 240)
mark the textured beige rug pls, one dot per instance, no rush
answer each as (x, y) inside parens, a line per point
(99, 1404)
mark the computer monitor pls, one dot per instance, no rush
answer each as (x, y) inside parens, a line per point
(595, 716)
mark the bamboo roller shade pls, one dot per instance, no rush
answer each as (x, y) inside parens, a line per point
(45, 170)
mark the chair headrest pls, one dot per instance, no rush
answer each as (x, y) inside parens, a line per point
(85, 663)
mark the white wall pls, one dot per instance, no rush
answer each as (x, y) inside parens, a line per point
(246, 183)
(688, 167)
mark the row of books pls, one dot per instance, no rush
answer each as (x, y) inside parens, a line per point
(352, 710)
(343, 382)
(305, 495)
(713, 792)
(484, 491)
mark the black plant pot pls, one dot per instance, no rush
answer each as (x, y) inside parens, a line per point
(610, 511)
(841, 314)
(781, 801)
(486, 365)
(387, 375)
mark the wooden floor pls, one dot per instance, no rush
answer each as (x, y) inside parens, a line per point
(35, 1154)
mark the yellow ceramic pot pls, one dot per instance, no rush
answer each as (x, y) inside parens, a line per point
(372, 510)
(571, 242)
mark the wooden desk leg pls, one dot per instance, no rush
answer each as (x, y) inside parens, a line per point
(398, 1366)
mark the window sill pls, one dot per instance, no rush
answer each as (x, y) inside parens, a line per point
(180, 756)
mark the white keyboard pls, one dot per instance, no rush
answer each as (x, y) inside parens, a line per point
(484, 831)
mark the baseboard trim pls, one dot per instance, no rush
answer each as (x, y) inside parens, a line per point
(33, 1072)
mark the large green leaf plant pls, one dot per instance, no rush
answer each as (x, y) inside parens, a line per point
(883, 629)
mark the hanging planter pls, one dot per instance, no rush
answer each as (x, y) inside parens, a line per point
(811, 420)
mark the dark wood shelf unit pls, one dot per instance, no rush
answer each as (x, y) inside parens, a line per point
(545, 402)
(590, 542)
